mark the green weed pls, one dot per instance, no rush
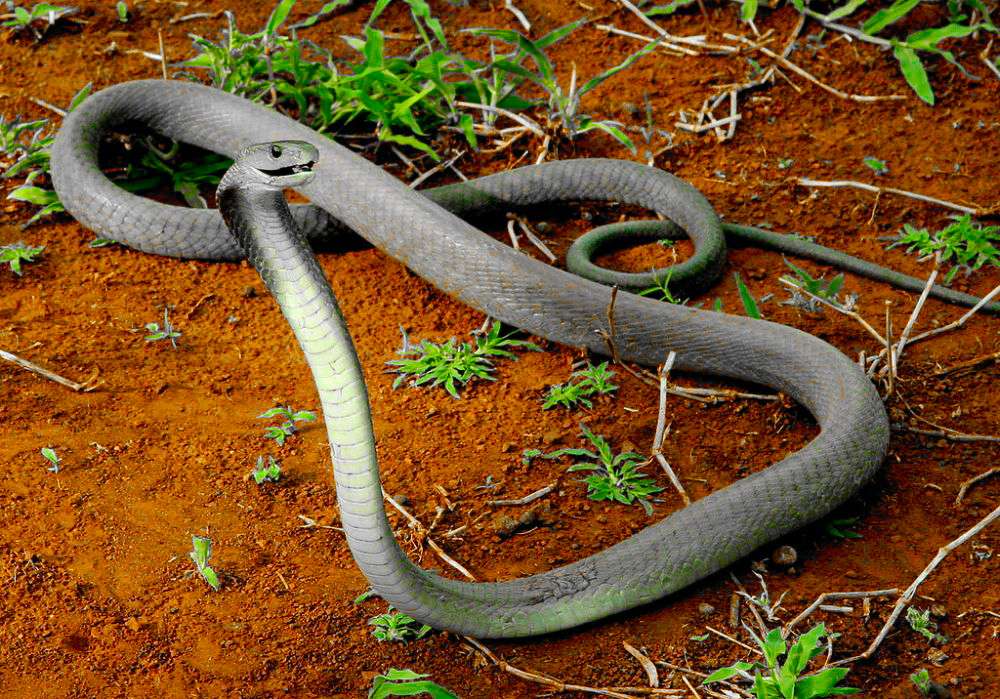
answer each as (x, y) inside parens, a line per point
(452, 364)
(43, 13)
(16, 254)
(827, 290)
(661, 286)
(406, 683)
(121, 9)
(287, 428)
(922, 624)
(749, 302)
(32, 163)
(875, 165)
(563, 104)
(201, 551)
(962, 244)
(396, 626)
(269, 470)
(841, 528)
(157, 168)
(50, 455)
(594, 380)
(165, 332)
(617, 476)
(922, 679)
(784, 680)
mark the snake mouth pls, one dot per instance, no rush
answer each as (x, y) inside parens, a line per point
(296, 169)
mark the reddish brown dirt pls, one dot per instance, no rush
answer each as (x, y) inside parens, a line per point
(99, 599)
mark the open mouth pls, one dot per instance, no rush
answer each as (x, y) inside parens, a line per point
(290, 170)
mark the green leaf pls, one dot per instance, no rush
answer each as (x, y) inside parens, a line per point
(886, 16)
(278, 16)
(823, 684)
(844, 10)
(749, 304)
(210, 577)
(34, 195)
(594, 82)
(774, 646)
(927, 39)
(727, 672)
(913, 71)
(749, 10)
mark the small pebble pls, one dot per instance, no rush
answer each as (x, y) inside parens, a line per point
(706, 609)
(543, 227)
(402, 500)
(249, 292)
(784, 556)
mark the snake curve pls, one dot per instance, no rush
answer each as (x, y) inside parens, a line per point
(684, 547)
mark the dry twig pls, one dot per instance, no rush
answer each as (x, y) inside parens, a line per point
(84, 387)
(971, 482)
(911, 591)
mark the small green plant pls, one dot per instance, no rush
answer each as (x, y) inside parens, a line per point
(617, 476)
(661, 286)
(563, 105)
(41, 12)
(269, 470)
(17, 253)
(961, 243)
(784, 680)
(922, 679)
(13, 133)
(157, 168)
(287, 428)
(528, 455)
(406, 683)
(922, 624)
(52, 458)
(165, 332)
(452, 364)
(827, 290)
(749, 303)
(877, 166)
(594, 380)
(121, 8)
(201, 551)
(32, 163)
(842, 528)
(785, 163)
(396, 626)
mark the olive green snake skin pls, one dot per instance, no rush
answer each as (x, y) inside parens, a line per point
(419, 230)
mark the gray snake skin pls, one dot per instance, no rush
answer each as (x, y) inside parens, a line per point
(665, 557)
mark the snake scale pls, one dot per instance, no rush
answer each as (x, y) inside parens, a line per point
(424, 231)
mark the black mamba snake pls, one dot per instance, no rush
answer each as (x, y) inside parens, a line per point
(423, 231)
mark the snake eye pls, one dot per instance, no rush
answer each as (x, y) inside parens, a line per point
(275, 150)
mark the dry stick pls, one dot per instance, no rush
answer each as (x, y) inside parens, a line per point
(888, 347)
(698, 41)
(818, 604)
(512, 234)
(985, 55)
(693, 690)
(733, 640)
(163, 53)
(975, 211)
(730, 120)
(509, 6)
(673, 49)
(543, 679)
(951, 435)
(971, 482)
(974, 363)
(897, 353)
(839, 309)
(524, 121)
(49, 106)
(419, 528)
(540, 493)
(808, 76)
(661, 421)
(911, 591)
(436, 169)
(647, 664)
(32, 367)
(609, 337)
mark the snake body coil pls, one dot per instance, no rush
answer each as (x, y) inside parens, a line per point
(684, 547)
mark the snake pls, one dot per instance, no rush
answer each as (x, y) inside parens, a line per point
(430, 232)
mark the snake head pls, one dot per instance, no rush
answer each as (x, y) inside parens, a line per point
(278, 164)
